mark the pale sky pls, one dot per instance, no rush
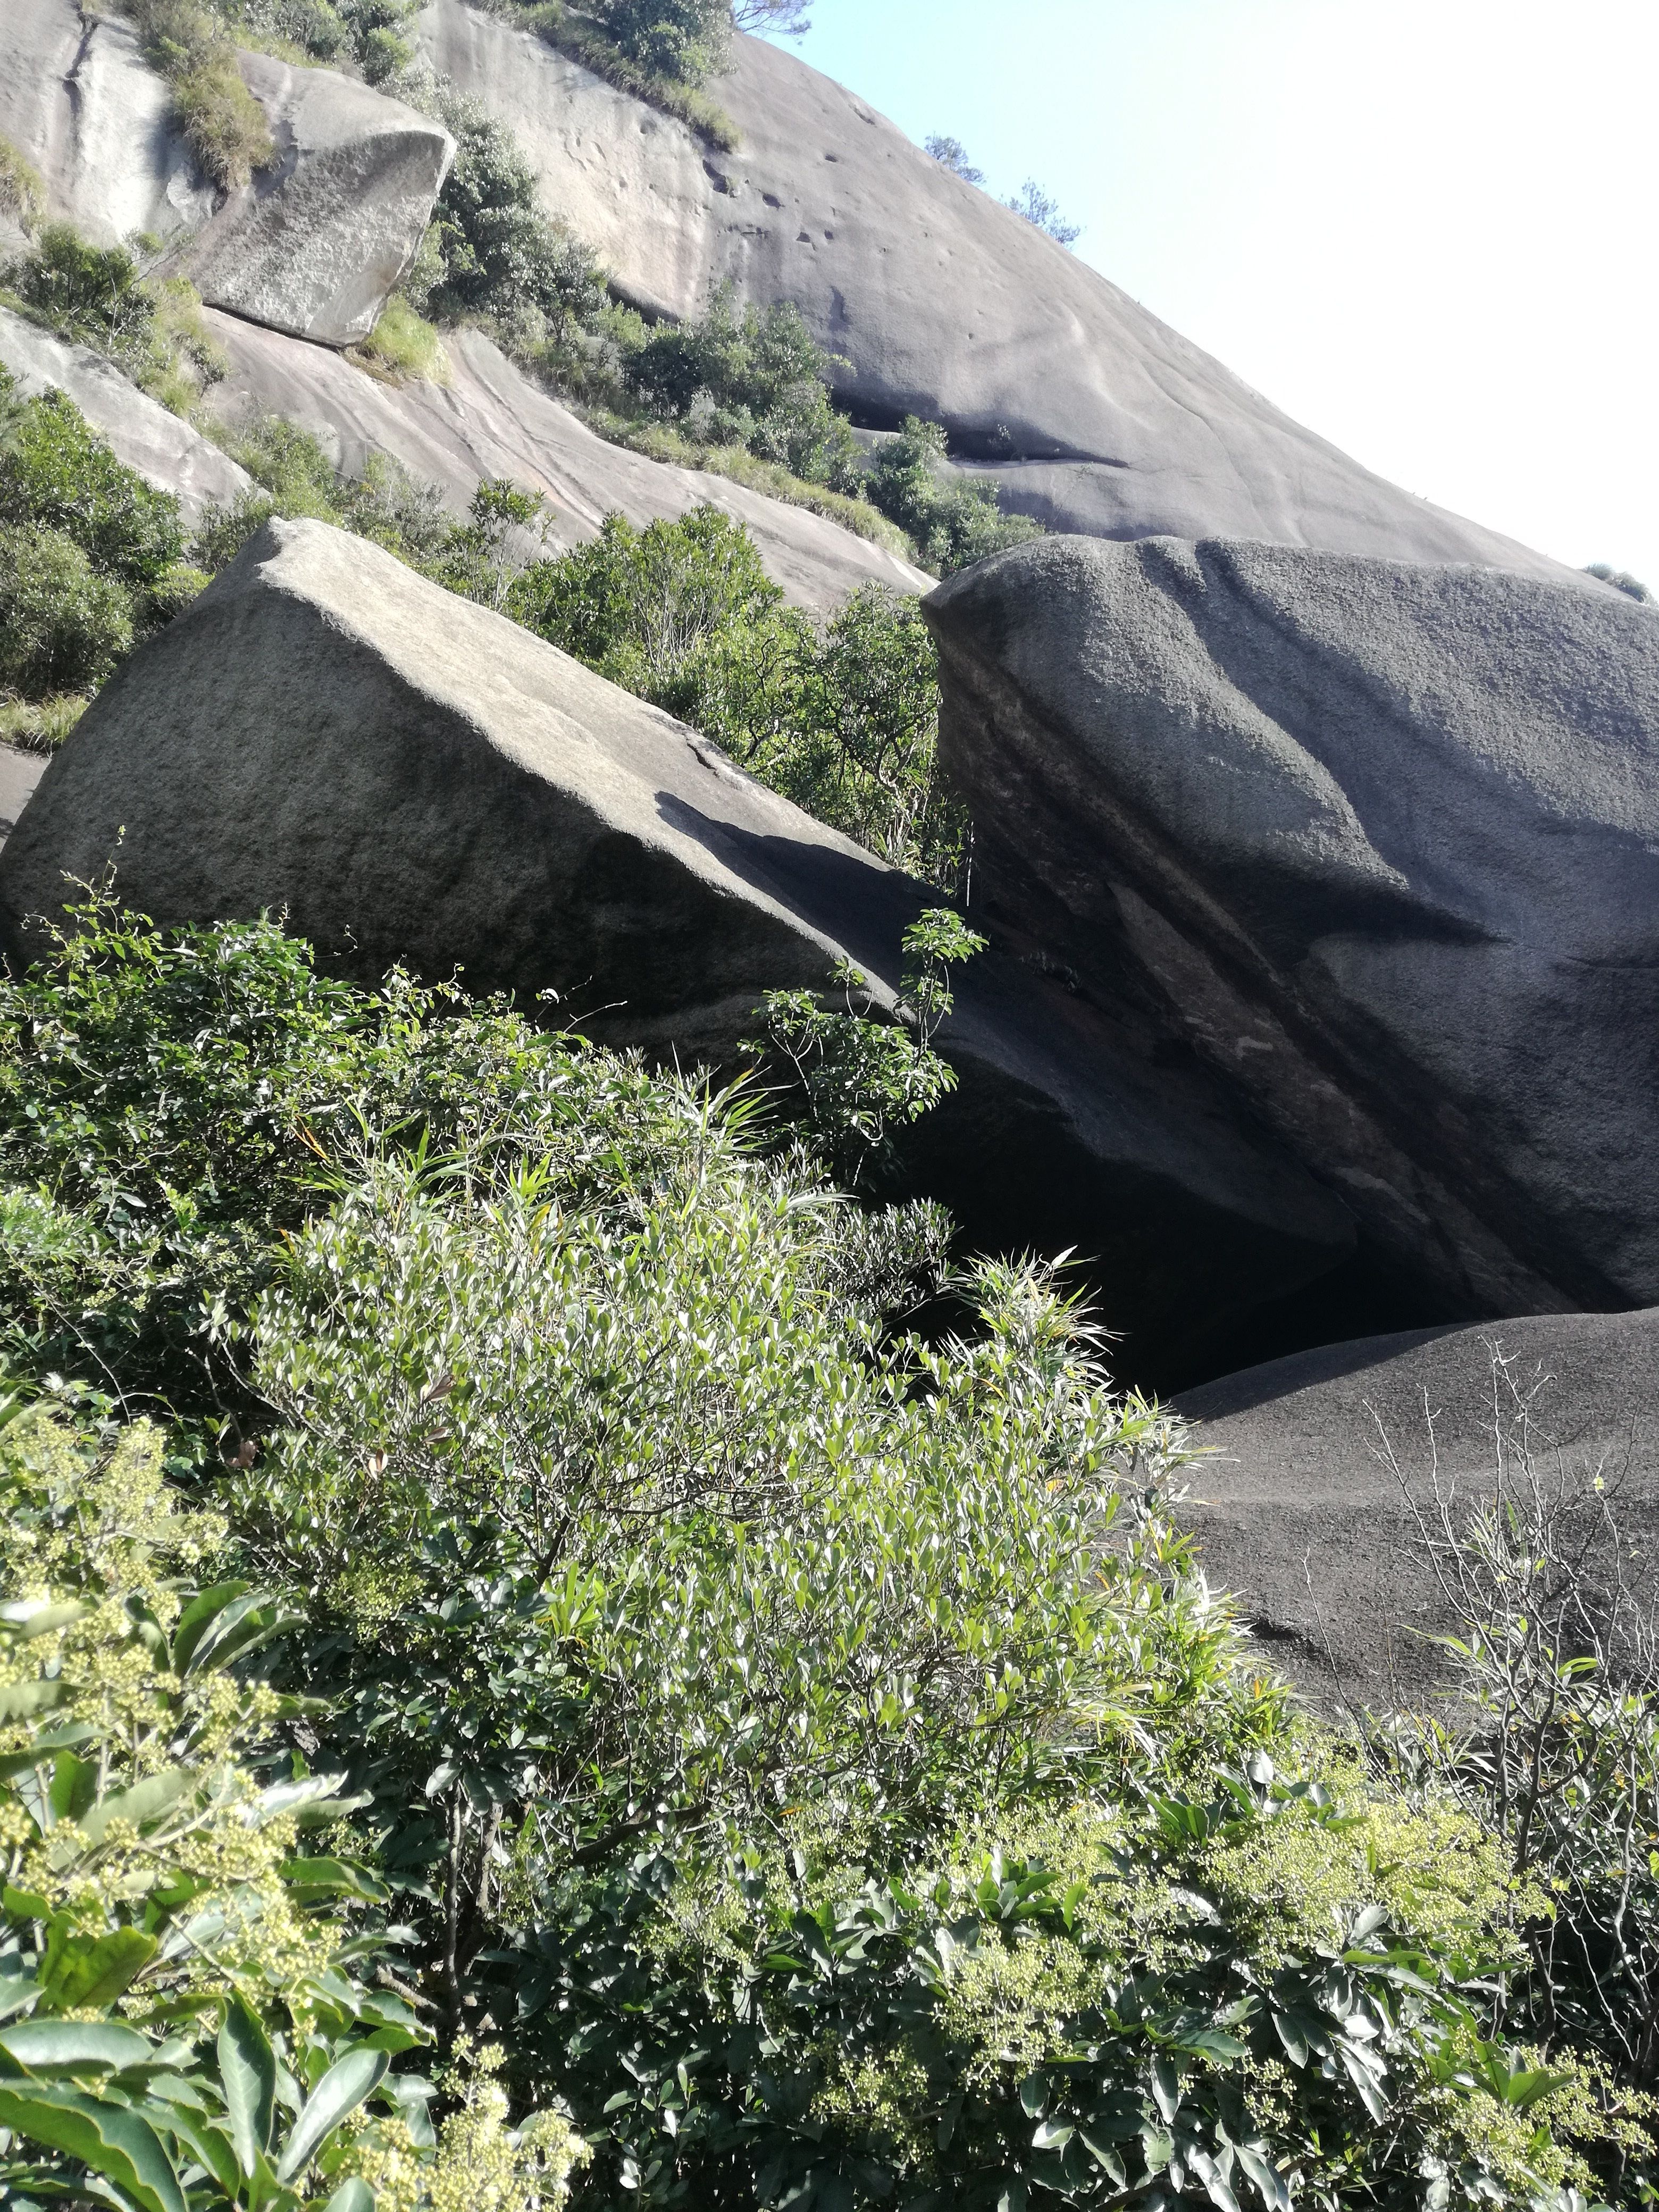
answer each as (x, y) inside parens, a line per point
(1427, 229)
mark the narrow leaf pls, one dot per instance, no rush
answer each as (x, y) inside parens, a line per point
(114, 2140)
(341, 2090)
(247, 2068)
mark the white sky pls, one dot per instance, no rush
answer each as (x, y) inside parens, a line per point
(1427, 229)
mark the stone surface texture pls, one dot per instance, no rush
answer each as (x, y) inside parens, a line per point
(315, 245)
(1378, 845)
(489, 419)
(412, 777)
(165, 451)
(1302, 1511)
(77, 98)
(1090, 413)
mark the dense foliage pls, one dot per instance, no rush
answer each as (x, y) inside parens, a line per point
(150, 327)
(953, 522)
(805, 1753)
(90, 557)
(841, 718)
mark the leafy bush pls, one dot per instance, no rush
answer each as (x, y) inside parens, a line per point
(97, 296)
(857, 1079)
(810, 1751)
(63, 626)
(843, 719)
(950, 153)
(685, 40)
(183, 1996)
(56, 471)
(953, 524)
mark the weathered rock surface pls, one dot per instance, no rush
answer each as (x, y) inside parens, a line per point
(491, 420)
(414, 778)
(1378, 844)
(77, 98)
(315, 245)
(165, 451)
(1095, 416)
(1301, 1513)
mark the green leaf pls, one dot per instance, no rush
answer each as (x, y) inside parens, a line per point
(338, 1876)
(352, 2195)
(67, 2046)
(341, 2090)
(21, 1701)
(197, 1617)
(28, 1618)
(112, 2139)
(83, 1970)
(247, 2068)
(139, 1804)
(209, 2146)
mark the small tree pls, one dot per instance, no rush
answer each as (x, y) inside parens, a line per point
(1042, 213)
(950, 153)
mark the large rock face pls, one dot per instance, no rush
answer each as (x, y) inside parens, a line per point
(489, 419)
(1378, 844)
(1091, 414)
(315, 245)
(1305, 1510)
(413, 778)
(78, 100)
(146, 435)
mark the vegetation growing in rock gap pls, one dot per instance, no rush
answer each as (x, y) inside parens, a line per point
(841, 718)
(223, 123)
(1038, 208)
(557, 1606)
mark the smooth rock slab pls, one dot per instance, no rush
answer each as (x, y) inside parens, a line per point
(489, 419)
(411, 777)
(1300, 1512)
(1378, 844)
(940, 302)
(315, 245)
(165, 451)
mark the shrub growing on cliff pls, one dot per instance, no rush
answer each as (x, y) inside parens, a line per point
(62, 627)
(953, 524)
(225, 125)
(97, 296)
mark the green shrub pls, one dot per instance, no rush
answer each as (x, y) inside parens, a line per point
(56, 471)
(151, 328)
(685, 40)
(842, 720)
(63, 626)
(953, 524)
(169, 1949)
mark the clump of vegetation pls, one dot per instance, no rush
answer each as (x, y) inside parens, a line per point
(953, 524)
(1621, 580)
(841, 718)
(23, 192)
(151, 328)
(404, 344)
(39, 726)
(223, 124)
(91, 558)
(805, 1756)
(1037, 207)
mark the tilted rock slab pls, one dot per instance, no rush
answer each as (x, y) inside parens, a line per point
(488, 419)
(1379, 844)
(1308, 1508)
(316, 244)
(411, 777)
(148, 437)
(1090, 414)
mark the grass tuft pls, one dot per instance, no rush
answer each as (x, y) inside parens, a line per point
(403, 345)
(40, 726)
